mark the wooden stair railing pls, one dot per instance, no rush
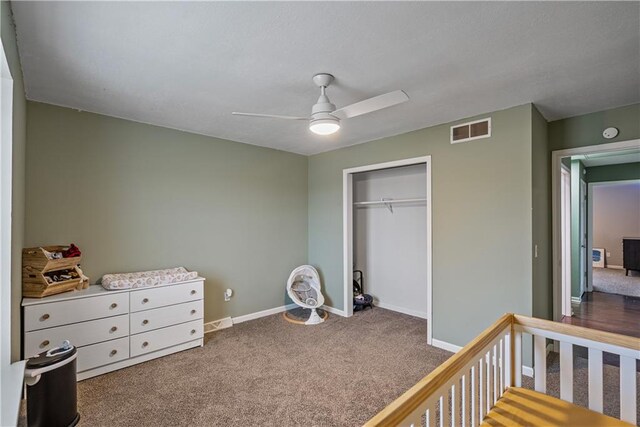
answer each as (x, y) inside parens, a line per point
(462, 390)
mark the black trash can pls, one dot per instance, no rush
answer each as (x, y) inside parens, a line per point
(52, 394)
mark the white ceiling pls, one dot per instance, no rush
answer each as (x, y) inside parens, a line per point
(188, 65)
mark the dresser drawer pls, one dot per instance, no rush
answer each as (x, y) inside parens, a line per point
(79, 334)
(47, 315)
(148, 320)
(165, 337)
(107, 352)
(167, 295)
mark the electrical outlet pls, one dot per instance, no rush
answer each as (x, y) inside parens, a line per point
(227, 295)
(608, 254)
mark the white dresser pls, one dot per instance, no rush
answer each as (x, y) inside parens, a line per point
(116, 329)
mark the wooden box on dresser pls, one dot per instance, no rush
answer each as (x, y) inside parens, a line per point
(118, 328)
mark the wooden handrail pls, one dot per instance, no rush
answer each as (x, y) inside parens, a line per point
(412, 399)
(403, 406)
(632, 343)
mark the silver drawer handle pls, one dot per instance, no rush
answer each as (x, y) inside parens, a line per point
(113, 352)
(145, 321)
(45, 316)
(193, 312)
(114, 328)
(193, 331)
(193, 292)
(144, 344)
(114, 305)
(44, 343)
(146, 300)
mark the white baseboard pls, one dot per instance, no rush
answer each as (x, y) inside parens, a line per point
(227, 322)
(334, 310)
(445, 345)
(526, 370)
(615, 267)
(414, 313)
(263, 313)
(216, 325)
(576, 300)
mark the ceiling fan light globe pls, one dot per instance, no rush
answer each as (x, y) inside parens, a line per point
(324, 126)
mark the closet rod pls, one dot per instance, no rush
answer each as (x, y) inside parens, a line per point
(389, 201)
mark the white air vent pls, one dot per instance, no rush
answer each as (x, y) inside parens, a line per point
(216, 325)
(469, 131)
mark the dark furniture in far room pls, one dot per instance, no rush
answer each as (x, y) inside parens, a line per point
(631, 254)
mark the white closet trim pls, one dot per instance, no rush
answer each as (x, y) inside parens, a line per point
(347, 236)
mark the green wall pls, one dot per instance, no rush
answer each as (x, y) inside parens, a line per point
(7, 30)
(541, 217)
(482, 220)
(139, 197)
(621, 172)
(587, 129)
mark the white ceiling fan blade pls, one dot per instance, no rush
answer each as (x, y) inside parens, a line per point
(270, 116)
(372, 104)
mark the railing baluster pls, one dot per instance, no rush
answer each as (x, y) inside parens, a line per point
(445, 416)
(474, 396)
(481, 390)
(595, 380)
(464, 404)
(454, 406)
(517, 359)
(431, 414)
(566, 371)
(540, 363)
(489, 375)
(468, 397)
(501, 364)
(507, 361)
(495, 367)
(628, 390)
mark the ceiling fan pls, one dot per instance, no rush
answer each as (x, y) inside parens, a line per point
(325, 118)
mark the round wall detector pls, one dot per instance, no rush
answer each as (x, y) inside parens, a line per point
(609, 133)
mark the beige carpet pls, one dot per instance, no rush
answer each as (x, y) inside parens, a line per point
(269, 372)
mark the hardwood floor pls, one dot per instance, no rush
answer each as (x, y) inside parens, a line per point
(608, 312)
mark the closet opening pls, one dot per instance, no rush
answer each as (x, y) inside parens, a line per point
(387, 236)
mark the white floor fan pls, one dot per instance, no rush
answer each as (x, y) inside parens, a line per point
(303, 287)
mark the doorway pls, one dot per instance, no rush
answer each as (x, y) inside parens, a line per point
(381, 203)
(577, 256)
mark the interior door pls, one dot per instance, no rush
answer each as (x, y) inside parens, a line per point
(583, 237)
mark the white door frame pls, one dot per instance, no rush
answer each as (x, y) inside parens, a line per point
(11, 374)
(556, 162)
(565, 239)
(347, 231)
